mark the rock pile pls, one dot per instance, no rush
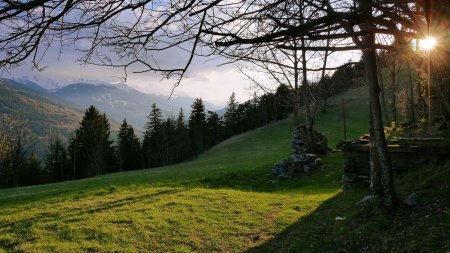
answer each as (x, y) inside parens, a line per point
(299, 161)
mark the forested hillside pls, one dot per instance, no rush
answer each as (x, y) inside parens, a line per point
(45, 116)
(227, 201)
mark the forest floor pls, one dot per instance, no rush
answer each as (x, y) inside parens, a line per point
(226, 201)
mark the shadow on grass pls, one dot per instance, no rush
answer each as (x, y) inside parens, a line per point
(359, 228)
(318, 231)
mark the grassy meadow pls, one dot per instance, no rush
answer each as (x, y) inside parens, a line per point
(223, 201)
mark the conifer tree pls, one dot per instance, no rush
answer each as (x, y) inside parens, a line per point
(93, 147)
(56, 165)
(152, 138)
(167, 142)
(197, 127)
(215, 128)
(182, 142)
(33, 171)
(128, 148)
(231, 115)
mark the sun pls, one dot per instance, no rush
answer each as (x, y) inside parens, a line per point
(428, 43)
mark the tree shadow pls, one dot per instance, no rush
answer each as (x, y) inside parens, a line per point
(320, 231)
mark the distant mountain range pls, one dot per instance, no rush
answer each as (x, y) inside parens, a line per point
(118, 101)
(121, 101)
(57, 112)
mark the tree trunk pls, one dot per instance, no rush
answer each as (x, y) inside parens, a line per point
(382, 96)
(393, 100)
(324, 103)
(375, 170)
(296, 111)
(378, 138)
(296, 96)
(412, 116)
(307, 103)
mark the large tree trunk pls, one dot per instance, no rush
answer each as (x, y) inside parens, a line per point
(382, 95)
(375, 170)
(378, 138)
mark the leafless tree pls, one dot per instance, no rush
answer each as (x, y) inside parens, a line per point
(131, 35)
(15, 142)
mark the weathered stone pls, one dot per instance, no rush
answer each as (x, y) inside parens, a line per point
(411, 200)
(300, 160)
(279, 170)
(307, 168)
(311, 157)
(318, 162)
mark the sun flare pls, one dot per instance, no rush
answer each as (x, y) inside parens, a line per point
(428, 43)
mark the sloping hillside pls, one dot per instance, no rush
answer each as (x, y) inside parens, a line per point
(47, 117)
(226, 201)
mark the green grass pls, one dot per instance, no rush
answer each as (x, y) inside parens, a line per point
(226, 201)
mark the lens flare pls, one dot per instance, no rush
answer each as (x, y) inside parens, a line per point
(428, 43)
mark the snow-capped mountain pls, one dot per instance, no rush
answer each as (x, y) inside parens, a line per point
(121, 101)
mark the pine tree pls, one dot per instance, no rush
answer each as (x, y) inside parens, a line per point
(92, 148)
(128, 148)
(152, 138)
(167, 142)
(215, 129)
(56, 165)
(231, 115)
(33, 172)
(197, 127)
(181, 136)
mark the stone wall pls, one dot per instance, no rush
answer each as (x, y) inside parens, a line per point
(356, 157)
(300, 161)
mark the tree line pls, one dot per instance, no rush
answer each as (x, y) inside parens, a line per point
(167, 140)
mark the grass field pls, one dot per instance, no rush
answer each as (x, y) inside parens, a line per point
(224, 201)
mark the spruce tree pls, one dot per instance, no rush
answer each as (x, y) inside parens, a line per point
(56, 165)
(167, 142)
(197, 127)
(93, 147)
(181, 136)
(215, 127)
(33, 172)
(128, 148)
(231, 115)
(152, 138)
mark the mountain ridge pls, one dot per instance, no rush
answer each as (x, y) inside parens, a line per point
(117, 100)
